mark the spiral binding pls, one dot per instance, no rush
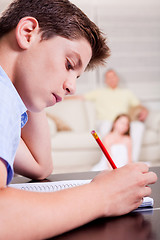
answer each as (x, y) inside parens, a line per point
(49, 186)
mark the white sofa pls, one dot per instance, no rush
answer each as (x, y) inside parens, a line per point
(73, 146)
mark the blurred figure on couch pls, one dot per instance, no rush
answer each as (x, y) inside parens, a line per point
(118, 142)
(111, 101)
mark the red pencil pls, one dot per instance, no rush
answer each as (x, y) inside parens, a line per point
(104, 149)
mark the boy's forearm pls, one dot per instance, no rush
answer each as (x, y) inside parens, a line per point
(40, 216)
(50, 214)
(26, 165)
(33, 158)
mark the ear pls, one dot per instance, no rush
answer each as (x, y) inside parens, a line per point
(26, 31)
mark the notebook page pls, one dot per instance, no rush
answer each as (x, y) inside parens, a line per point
(147, 202)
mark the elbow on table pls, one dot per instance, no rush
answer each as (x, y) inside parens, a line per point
(44, 172)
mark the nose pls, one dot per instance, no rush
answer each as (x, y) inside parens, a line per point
(70, 86)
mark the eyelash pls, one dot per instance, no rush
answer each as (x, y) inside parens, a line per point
(69, 65)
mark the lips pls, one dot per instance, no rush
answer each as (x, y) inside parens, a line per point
(58, 98)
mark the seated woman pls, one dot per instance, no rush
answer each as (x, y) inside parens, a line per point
(118, 143)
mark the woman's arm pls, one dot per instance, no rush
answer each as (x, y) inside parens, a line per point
(33, 158)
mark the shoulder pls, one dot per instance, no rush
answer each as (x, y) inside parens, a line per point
(127, 140)
(8, 104)
(109, 139)
(7, 96)
(9, 112)
(125, 91)
(130, 94)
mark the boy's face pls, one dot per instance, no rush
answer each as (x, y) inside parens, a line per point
(47, 70)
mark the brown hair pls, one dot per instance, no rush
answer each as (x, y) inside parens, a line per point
(58, 17)
(116, 119)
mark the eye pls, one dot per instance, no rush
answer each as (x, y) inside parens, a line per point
(69, 65)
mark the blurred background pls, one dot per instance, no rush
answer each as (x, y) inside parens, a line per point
(132, 28)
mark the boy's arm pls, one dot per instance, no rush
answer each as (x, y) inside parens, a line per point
(3, 173)
(33, 157)
(43, 215)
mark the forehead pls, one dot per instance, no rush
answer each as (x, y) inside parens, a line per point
(110, 74)
(80, 46)
(123, 118)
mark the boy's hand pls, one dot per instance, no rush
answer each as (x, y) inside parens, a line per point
(122, 190)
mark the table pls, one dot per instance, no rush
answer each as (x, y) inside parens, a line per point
(144, 225)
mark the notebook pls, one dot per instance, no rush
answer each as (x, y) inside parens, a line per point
(59, 185)
(49, 186)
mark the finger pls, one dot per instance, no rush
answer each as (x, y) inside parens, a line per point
(142, 167)
(144, 192)
(150, 177)
(138, 203)
(147, 191)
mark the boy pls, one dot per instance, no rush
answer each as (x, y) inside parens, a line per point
(44, 46)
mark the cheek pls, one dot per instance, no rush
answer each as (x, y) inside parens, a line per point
(125, 128)
(117, 126)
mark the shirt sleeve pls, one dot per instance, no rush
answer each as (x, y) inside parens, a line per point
(134, 101)
(9, 129)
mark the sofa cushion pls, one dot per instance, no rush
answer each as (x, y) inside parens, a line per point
(150, 153)
(77, 114)
(73, 141)
(150, 137)
(60, 124)
(153, 121)
(72, 113)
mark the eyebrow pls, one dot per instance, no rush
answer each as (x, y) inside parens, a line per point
(79, 63)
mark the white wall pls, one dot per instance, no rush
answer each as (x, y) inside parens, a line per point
(132, 28)
(133, 32)
(3, 4)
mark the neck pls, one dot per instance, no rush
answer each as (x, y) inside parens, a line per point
(117, 133)
(113, 88)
